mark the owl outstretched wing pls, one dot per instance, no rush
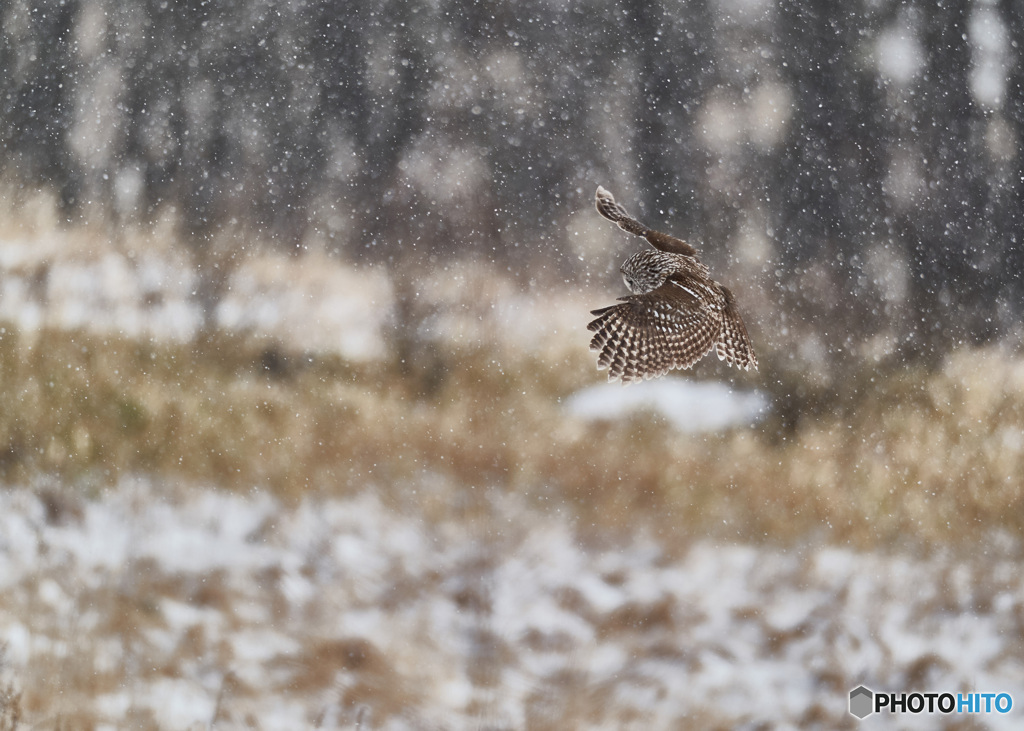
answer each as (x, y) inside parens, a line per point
(647, 335)
(733, 344)
(607, 207)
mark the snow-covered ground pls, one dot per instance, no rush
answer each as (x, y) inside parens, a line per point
(193, 606)
(311, 303)
(304, 302)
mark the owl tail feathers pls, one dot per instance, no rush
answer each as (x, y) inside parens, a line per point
(611, 210)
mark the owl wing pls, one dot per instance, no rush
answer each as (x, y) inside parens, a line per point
(611, 210)
(734, 346)
(647, 335)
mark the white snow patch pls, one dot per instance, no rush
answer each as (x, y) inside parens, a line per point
(689, 406)
(310, 304)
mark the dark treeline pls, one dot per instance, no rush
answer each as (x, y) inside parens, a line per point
(874, 144)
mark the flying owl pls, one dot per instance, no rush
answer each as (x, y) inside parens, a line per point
(676, 314)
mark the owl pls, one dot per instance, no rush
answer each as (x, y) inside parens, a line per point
(676, 314)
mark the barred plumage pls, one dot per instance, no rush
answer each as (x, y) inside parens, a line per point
(676, 314)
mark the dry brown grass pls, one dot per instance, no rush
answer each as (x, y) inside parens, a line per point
(919, 456)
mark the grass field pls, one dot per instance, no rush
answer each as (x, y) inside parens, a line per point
(177, 503)
(925, 457)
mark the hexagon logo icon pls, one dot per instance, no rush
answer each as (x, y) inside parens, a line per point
(861, 702)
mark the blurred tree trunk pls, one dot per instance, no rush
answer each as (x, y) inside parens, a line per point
(39, 105)
(827, 193)
(387, 124)
(675, 66)
(1011, 216)
(832, 166)
(948, 292)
